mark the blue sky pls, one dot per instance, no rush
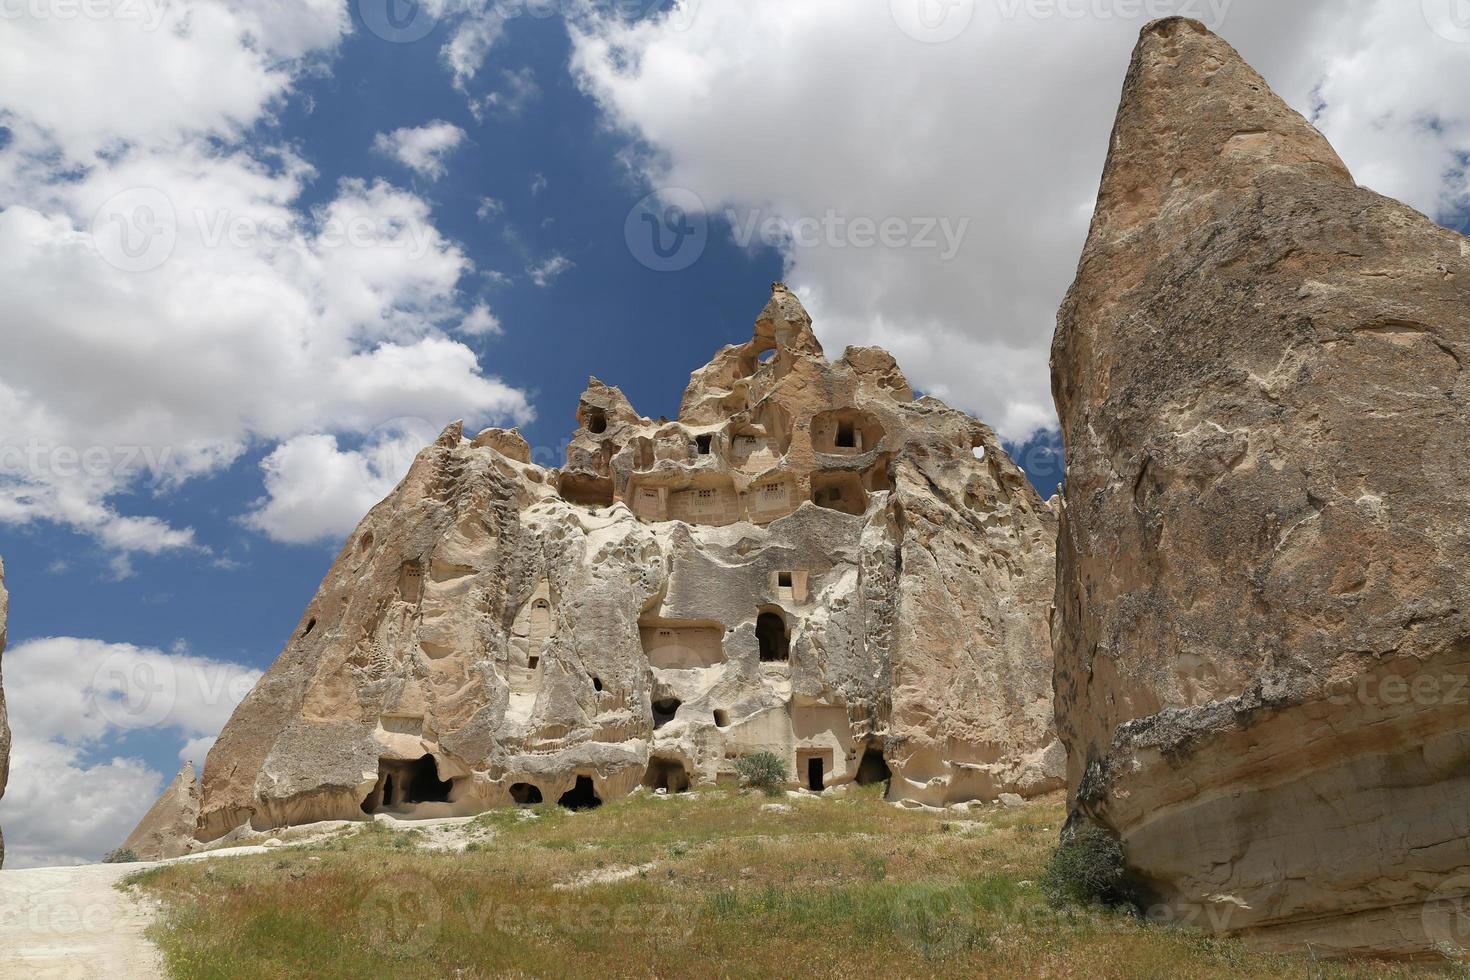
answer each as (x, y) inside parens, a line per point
(284, 386)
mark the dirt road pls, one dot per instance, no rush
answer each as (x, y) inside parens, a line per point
(72, 922)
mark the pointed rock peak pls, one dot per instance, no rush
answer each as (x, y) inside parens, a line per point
(602, 406)
(1193, 111)
(451, 436)
(785, 324)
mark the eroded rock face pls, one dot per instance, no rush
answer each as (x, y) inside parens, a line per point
(4, 723)
(808, 561)
(167, 829)
(1261, 632)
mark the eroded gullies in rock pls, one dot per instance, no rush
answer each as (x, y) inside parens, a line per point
(793, 565)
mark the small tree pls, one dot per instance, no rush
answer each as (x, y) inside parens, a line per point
(1088, 870)
(121, 856)
(764, 771)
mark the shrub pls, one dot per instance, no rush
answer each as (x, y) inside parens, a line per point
(1088, 869)
(121, 856)
(764, 771)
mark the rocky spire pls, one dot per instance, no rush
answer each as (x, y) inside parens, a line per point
(167, 829)
(1259, 377)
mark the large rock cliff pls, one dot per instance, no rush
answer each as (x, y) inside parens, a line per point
(1263, 619)
(807, 561)
(4, 722)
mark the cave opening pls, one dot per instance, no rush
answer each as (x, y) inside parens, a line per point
(582, 796)
(873, 768)
(525, 794)
(775, 643)
(664, 711)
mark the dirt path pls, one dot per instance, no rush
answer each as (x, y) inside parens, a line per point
(72, 922)
(65, 923)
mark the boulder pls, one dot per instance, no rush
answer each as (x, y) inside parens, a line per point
(1262, 625)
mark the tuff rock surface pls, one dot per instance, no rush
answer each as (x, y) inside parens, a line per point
(807, 561)
(167, 829)
(4, 723)
(1263, 620)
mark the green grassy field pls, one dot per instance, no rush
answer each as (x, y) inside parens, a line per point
(705, 885)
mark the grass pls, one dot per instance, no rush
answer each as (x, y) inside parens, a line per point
(833, 888)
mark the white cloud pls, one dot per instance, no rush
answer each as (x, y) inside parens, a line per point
(72, 797)
(490, 208)
(479, 25)
(481, 323)
(319, 491)
(422, 149)
(792, 111)
(192, 307)
(519, 90)
(543, 273)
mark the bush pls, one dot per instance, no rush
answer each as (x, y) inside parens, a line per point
(121, 856)
(1088, 870)
(764, 771)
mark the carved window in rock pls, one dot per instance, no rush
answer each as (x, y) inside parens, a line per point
(539, 631)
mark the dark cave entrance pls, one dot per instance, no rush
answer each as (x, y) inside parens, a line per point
(873, 768)
(770, 632)
(814, 774)
(525, 794)
(582, 796)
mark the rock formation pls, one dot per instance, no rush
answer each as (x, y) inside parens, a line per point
(807, 561)
(1263, 619)
(4, 723)
(167, 829)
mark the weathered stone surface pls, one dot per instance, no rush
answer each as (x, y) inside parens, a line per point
(4, 723)
(1261, 628)
(808, 561)
(167, 829)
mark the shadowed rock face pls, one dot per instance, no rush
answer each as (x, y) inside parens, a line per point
(1261, 630)
(807, 561)
(4, 724)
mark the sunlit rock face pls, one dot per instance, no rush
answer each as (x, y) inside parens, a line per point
(808, 561)
(1263, 622)
(167, 829)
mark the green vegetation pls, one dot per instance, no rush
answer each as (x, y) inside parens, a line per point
(1088, 870)
(121, 856)
(764, 771)
(701, 884)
